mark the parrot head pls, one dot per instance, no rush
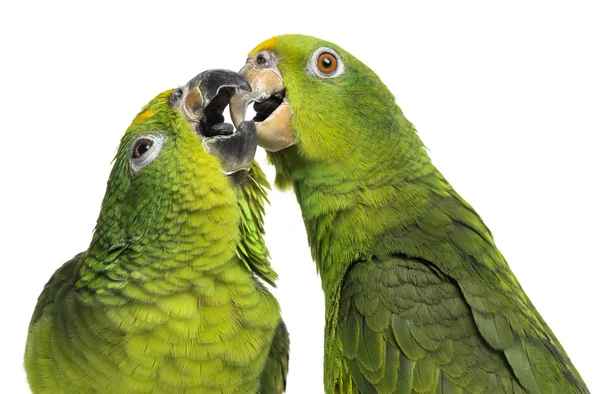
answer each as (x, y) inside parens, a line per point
(175, 158)
(315, 102)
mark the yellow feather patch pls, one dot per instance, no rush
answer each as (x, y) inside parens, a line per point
(267, 45)
(149, 112)
(141, 118)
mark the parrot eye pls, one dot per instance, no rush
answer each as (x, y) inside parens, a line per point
(141, 147)
(325, 63)
(263, 59)
(260, 59)
(144, 150)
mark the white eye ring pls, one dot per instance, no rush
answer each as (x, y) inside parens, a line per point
(153, 145)
(312, 68)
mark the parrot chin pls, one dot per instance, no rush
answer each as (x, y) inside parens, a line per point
(202, 101)
(273, 111)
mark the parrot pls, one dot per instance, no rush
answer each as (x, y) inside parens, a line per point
(418, 298)
(167, 298)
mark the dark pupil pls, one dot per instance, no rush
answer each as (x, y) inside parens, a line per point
(326, 62)
(261, 59)
(141, 148)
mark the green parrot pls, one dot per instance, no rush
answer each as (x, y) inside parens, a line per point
(418, 297)
(167, 298)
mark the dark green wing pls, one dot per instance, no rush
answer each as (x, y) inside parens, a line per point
(273, 378)
(62, 281)
(438, 310)
(252, 195)
(405, 329)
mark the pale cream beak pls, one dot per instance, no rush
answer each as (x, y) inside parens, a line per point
(274, 133)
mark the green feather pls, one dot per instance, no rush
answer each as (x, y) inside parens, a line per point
(251, 249)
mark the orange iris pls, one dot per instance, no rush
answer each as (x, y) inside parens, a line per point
(327, 63)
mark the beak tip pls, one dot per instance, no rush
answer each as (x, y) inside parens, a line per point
(245, 85)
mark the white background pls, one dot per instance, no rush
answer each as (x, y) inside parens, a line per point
(506, 97)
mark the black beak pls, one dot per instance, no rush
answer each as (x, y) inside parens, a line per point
(208, 93)
(216, 87)
(202, 100)
(212, 81)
